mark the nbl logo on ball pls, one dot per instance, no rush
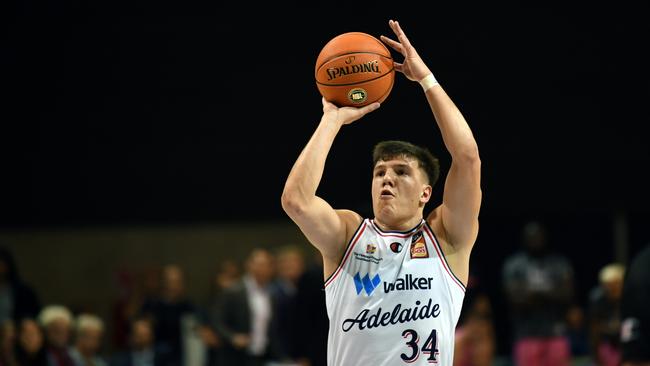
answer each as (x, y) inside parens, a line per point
(357, 95)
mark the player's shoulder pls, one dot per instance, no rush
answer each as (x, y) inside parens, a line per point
(349, 217)
(434, 220)
(351, 220)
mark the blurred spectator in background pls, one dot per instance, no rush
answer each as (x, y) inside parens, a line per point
(578, 335)
(30, 348)
(475, 338)
(244, 313)
(168, 310)
(290, 266)
(605, 316)
(539, 287)
(88, 341)
(56, 320)
(17, 300)
(134, 287)
(228, 274)
(7, 343)
(142, 350)
(635, 311)
(311, 310)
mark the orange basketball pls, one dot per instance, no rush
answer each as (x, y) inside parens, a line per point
(354, 69)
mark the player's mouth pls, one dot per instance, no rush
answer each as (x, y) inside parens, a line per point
(386, 194)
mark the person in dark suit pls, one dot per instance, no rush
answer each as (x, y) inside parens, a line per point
(142, 351)
(168, 310)
(244, 314)
(310, 304)
(290, 267)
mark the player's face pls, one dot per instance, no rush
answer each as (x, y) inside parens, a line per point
(399, 189)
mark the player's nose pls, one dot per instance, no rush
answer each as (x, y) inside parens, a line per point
(388, 179)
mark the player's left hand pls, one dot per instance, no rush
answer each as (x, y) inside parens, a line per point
(412, 67)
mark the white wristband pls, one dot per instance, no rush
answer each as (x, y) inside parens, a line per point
(428, 82)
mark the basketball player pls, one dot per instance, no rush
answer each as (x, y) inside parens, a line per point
(394, 284)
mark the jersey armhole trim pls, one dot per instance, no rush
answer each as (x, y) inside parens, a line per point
(348, 250)
(441, 254)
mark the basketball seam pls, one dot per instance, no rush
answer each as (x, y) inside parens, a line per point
(358, 82)
(350, 53)
(359, 33)
(389, 89)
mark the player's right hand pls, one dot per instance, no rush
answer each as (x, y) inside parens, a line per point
(346, 115)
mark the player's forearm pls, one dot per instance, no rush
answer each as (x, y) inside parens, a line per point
(307, 172)
(456, 134)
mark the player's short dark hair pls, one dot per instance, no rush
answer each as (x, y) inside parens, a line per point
(387, 150)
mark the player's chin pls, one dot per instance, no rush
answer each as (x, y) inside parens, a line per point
(385, 208)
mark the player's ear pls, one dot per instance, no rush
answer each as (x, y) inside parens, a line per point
(425, 195)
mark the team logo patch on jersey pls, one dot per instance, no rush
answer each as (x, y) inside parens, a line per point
(371, 249)
(419, 246)
(366, 283)
(396, 247)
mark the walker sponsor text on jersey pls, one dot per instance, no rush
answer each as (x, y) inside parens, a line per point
(409, 282)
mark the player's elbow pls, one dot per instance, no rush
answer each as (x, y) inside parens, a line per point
(292, 204)
(468, 154)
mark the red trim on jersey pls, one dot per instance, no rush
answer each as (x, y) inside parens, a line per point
(345, 258)
(438, 249)
(398, 234)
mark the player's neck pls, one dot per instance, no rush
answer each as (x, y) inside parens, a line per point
(398, 225)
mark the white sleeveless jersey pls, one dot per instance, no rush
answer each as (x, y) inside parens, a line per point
(393, 300)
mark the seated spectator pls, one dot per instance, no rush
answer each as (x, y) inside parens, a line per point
(605, 315)
(142, 350)
(57, 322)
(30, 348)
(89, 332)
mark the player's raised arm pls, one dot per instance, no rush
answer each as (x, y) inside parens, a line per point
(462, 194)
(323, 226)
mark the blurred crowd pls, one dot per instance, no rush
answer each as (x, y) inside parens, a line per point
(547, 323)
(270, 311)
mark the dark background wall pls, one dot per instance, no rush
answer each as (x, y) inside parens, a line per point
(159, 115)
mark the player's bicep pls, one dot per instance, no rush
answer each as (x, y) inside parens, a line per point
(461, 202)
(324, 227)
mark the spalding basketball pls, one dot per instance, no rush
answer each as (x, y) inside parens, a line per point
(354, 69)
